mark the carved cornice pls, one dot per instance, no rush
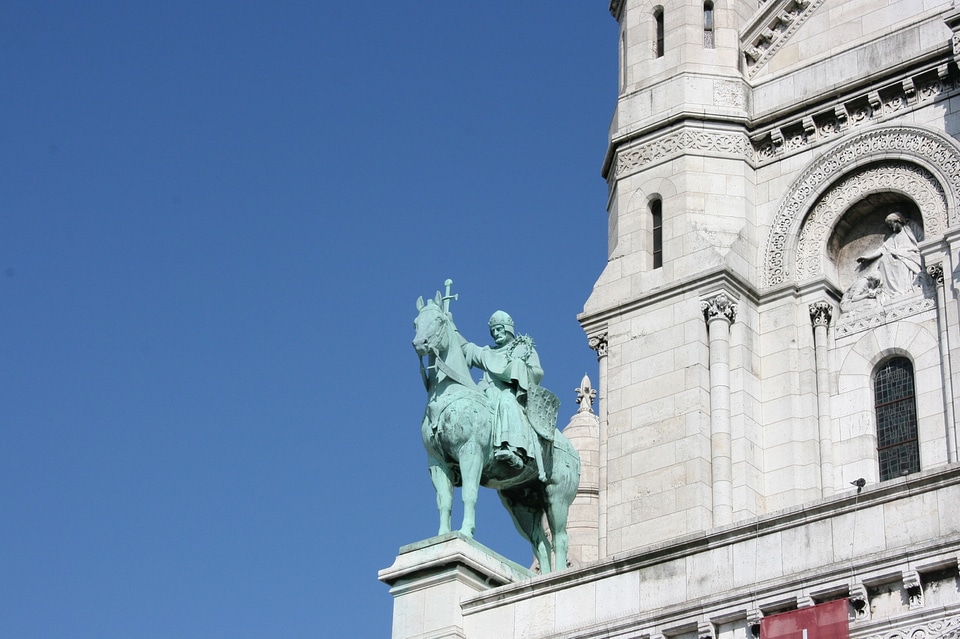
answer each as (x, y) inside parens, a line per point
(860, 110)
(761, 42)
(821, 313)
(720, 306)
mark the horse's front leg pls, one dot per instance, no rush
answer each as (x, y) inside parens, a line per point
(471, 467)
(443, 485)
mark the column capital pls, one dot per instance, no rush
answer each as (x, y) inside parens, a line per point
(821, 313)
(935, 271)
(719, 306)
(598, 343)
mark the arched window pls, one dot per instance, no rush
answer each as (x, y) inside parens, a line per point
(658, 18)
(708, 24)
(896, 406)
(656, 218)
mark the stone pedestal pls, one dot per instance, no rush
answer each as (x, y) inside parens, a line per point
(429, 579)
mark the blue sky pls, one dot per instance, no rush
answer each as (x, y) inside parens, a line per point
(215, 221)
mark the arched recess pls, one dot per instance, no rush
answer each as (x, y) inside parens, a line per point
(896, 184)
(937, 155)
(855, 448)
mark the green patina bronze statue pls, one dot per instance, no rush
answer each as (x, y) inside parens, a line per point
(500, 433)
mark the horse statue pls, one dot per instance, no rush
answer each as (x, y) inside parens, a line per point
(458, 431)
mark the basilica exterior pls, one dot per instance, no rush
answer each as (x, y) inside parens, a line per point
(778, 337)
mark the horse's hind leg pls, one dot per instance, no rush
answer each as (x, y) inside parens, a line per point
(557, 518)
(443, 484)
(529, 523)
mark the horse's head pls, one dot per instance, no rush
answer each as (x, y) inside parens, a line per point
(430, 326)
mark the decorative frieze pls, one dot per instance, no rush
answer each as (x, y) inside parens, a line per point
(946, 628)
(631, 159)
(856, 111)
(885, 315)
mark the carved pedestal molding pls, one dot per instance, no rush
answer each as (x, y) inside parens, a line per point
(820, 314)
(720, 312)
(598, 343)
(935, 271)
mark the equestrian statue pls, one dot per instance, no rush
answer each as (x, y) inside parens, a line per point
(500, 433)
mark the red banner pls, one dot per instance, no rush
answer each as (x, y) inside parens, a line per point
(824, 621)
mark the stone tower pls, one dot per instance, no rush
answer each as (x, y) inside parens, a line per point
(754, 154)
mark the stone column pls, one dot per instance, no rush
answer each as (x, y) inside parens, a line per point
(936, 273)
(820, 315)
(598, 343)
(720, 312)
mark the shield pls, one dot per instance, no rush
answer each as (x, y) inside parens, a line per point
(542, 410)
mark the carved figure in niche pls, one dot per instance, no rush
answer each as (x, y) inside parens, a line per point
(862, 296)
(898, 260)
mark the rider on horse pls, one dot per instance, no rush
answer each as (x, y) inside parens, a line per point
(510, 370)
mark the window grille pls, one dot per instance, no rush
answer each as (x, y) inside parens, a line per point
(656, 215)
(708, 25)
(896, 406)
(658, 17)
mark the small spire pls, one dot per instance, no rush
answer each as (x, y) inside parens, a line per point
(585, 395)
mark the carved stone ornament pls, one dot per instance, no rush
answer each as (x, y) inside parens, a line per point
(929, 148)
(631, 159)
(860, 600)
(778, 29)
(911, 581)
(719, 306)
(898, 177)
(947, 628)
(821, 313)
(705, 630)
(598, 343)
(935, 271)
(586, 395)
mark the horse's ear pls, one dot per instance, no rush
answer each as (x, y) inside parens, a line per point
(420, 303)
(438, 299)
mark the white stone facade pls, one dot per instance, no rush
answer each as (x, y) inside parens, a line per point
(754, 155)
